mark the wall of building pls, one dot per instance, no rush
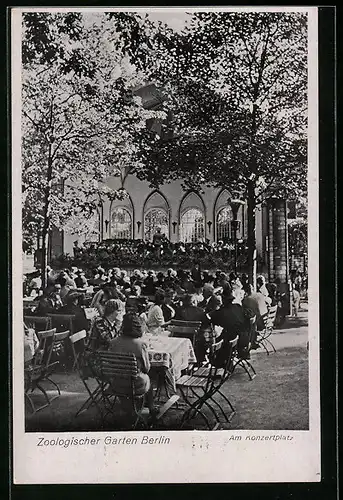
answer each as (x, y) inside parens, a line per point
(173, 199)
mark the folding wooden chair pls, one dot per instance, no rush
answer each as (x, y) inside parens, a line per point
(263, 336)
(64, 322)
(38, 323)
(59, 347)
(78, 345)
(187, 332)
(87, 369)
(41, 369)
(118, 373)
(186, 329)
(209, 384)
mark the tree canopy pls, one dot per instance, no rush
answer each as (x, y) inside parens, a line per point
(79, 116)
(237, 84)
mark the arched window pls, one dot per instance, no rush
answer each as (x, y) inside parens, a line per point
(155, 215)
(224, 219)
(154, 219)
(121, 224)
(192, 226)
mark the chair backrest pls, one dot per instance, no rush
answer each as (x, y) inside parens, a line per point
(271, 316)
(78, 345)
(59, 336)
(187, 332)
(232, 346)
(252, 329)
(78, 336)
(214, 348)
(44, 350)
(179, 322)
(38, 323)
(220, 361)
(120, 370)
(62, 322)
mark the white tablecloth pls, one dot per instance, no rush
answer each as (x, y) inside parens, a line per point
(175, 354)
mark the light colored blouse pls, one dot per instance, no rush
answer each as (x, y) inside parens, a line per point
(155, 319)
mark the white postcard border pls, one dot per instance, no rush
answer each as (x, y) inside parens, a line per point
(189, 456)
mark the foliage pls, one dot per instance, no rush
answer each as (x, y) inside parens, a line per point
(237, 85)
(297, 236)
(80, 114)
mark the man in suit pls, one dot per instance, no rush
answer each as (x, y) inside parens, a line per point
(211, 301)
(189, 311)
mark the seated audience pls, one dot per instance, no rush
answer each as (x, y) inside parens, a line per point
(211, 302)
(31, 344)
(231, 318)
(101, 297)
(149, 284)
(196, 273)
(72, 306)
(65, 274)
(65, 289)
(189, 311)
(156, 320)
(130, 342)
(261, 286)
(104, 329)
(50, 301)
(80, 280)
(257, 303)
(168, 306)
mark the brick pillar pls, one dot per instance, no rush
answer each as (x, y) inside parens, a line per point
(277, 240)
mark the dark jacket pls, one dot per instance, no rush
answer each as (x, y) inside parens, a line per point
(192, 313)
(232, 319)
(234, 323)
(80, 322)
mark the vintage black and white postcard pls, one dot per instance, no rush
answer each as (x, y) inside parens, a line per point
(165, 245)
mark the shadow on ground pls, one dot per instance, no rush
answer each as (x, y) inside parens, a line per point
(276, 399)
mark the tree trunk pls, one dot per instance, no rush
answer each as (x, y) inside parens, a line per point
(46, 216)
(251, 234)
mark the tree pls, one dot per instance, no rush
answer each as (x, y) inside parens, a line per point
(237, 84)
(81, 121)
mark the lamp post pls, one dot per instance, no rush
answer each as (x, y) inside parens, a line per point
(235, 204)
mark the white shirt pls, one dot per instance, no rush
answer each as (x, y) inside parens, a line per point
(30, 343)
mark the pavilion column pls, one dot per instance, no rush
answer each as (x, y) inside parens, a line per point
(277, 240)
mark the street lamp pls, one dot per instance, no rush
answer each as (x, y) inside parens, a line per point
(235, 204)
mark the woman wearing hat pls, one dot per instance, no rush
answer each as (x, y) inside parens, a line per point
(130, 342)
